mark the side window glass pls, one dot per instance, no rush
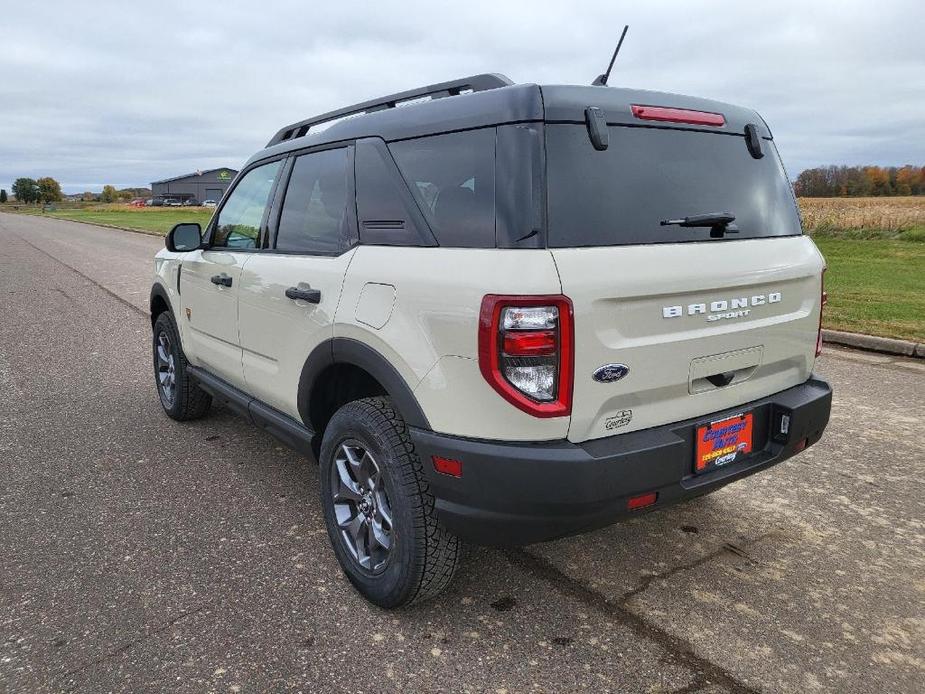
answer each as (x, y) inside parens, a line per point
(314, 215)
(387, 212)
(238, 223)
(454, 177)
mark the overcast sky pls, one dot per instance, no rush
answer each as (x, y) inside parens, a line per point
(127, 93)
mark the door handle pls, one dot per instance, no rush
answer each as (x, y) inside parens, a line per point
(312, 296)
(222, 280)
(721, 380)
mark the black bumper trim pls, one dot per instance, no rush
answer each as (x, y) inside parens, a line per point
(518, 493)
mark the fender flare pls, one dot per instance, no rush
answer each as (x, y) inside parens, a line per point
(344, 350)
(158, 291)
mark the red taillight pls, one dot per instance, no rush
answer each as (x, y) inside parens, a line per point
(637, 502)
(447, 466)
(678, 115)
(540, 343)
(823, 300)
(526, 351)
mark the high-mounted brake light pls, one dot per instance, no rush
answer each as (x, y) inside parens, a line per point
(678, 115)
(526, 351)
(823, 300)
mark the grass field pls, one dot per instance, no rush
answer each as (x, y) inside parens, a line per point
(153, 220)
(875, 249)
(875, 287)
(865, 218)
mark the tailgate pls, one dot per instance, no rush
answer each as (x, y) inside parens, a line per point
(702, 327)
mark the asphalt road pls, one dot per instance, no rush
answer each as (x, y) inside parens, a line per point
(139, 554)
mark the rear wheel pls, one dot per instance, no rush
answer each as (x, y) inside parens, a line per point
(181, 398)
(378, 509)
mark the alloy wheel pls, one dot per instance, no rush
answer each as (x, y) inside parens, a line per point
(166, 368)
(361, 506)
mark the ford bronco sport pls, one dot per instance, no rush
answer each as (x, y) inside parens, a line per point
(501, 313)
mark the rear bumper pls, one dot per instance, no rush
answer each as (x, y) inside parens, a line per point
(518, 493)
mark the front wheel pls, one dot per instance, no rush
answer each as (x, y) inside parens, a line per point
(378, 509)
(180, 396)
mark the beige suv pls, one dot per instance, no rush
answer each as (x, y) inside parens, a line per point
(501, 313)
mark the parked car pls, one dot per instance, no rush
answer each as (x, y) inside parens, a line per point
(502, 316)
(172, 202)
(191, 202)
(156, 202)
(209, 203)
(137, 202)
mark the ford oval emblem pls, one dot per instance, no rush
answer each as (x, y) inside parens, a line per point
(610, 373)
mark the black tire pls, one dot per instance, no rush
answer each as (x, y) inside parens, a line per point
(184, 399)
(423, 556)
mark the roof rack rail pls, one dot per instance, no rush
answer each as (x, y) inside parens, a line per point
(475, 83)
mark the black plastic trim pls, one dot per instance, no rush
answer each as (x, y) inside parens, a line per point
(518, 493)
(343, 350)
(294, 434)
(474, 83)
(349, 351)
(158, 290)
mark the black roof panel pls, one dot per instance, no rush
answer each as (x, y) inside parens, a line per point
(499, 105)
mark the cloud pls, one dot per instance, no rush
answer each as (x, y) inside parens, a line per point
(112, 93)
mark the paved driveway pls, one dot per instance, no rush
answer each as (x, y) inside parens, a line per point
(139, 554)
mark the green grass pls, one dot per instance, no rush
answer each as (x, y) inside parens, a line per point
(157, 220)
(875, 287)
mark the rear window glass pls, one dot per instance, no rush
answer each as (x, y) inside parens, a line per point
(453, 178)
(620, 195)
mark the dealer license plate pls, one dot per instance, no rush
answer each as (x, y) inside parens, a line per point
(723, 442)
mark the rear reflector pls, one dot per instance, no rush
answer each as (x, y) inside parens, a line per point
(641, 501)
(447, 466)
(801, 445)
(678, 115)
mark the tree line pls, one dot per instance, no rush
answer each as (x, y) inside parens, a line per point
(856, 181)
(29, 190)
(47, 190)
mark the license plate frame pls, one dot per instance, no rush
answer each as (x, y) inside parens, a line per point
(722, 442)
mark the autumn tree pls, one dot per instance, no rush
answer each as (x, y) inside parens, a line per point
(832, 181)
(109, 194)
(909, 181)
(49, 189)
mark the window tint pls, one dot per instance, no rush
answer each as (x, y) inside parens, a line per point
(387, 212)
(314, 216)
(620, 195)
(238, 223)
(453, 177)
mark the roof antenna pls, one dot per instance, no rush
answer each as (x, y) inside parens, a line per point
(601, 80)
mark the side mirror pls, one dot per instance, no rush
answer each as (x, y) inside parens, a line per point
(184, 237)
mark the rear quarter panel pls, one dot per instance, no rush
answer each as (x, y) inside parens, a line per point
(431, 333)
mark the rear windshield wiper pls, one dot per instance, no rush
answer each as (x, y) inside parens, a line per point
(719, 222)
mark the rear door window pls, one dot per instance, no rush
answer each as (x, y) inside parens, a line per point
(620, 195)
(314, 215)
(453, 179)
